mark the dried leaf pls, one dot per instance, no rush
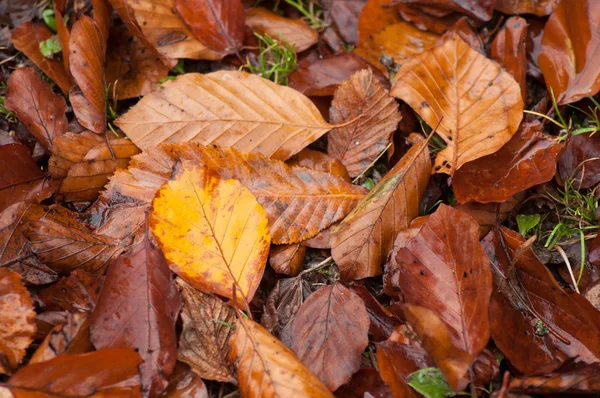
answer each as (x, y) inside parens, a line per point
(487, 214)
(267, 369)
(185, 384)
(77, 292)
(480, 103)
(17, 325)
(445, 270)
(330, 332)
(580, 161)
(479, 9)
(236, 109)
(396, 362)
(537, 7)
(138, 308)
(583, 380)
(376, 15)
(465, 31)
(17, 12)
(509, 50)
(382, 322)
(213, 232)
(319, 161)
(283, 303)
(70, 338)
(27, 38)
(295, 31)
(36, 106)
(207, 328)
(361, 242)
(344, 14)
(287, 259)
(528, 159)
(69, 149)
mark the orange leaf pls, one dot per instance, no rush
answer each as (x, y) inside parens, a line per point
(479, 104)
(213, 231)
(538, 7)
(287, 259)
(376, 15)
(69, 149)
(77, 292)
(267, 369)
(509, 50)
(70, 338)
(319, 161)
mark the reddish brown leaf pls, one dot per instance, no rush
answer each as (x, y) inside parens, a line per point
(77, 292)
(463, 28)
(535, 33)
(479, 9)
(70, 338)
(287, 259)
(17, 325)
(485, 368)
(423, 20)
(110, 373)
(509, 50)
(344, 14)
(27, 38)
(204, 340)
(382, 322)
(138, 308)
(538, 7)
(365, 383)
(571, 51)
(528, 159)
(63, 33)
(69, 149)
(36, 106)
(583, 380)
(487, 214)
(397, 361)
(219, 24)
(185, 384)
(445, 270)
(283, 303)
(330, 332)
(376, 15)
(528, 286)
(580, 161)
(319, 161)
(87, 48)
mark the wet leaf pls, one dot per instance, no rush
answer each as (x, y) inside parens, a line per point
(344, 14)
(376, 15)
(580, 161)
(480, 103)
(365, 383)
(358, 144)
(509, 50)
(185, 384)
(430, 382)
(219, 24)
(287, 259)
(266, 368)
(208, 324)
(536, 7)
(465, 31)
(396, 362)
(382, 322)
(69, 149)
(295, 31)
(479, 9)
(213, 231)
(445, 270)
(77, 292)
(570, 51)
(361, 242)
(283, 303)
(17, 325)
(236, 109)
(70, 338)
(487, 214)
(27, 38)
(330, 332)
(138, 308)
(528, 159)
(581, 380)
(526, 222)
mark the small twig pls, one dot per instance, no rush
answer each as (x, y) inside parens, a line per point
(356, 119)
(322, 264)
(372, 163)
(504, 388)
(9, 59)
(568, 263)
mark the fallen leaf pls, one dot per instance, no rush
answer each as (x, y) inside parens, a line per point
(137, 309)
(430, 382)
(63, 32)
(465, 31)
(295, 31)
(580, 161)
(266, 368)
(537, 7)
(361, 242)
(36, 106)
(487, 214)
(319, 161)
(376, 15)
(535, 33)
(71, 148)
(583, 380)
(17, 325)
(401, 41)
(70, 338)
(358, 144)
(528, 159)
(185, 384)
(111, 373)
(485, 368)
(344, 14)
(437, 22)
(17, 12)
(479, 9)
(27, 38)
(213, 232)
(396, 362)
(236, 109)
(330, 332)
(509, 49)
(445, 270)
(208, 324)
(77, 292)
(382, 322)
(287, 259)
(571, 51)
(219, 24)
(283, 303)
(480, 103)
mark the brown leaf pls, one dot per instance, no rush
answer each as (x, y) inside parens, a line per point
(268, 369)
(580, 161)
(287, 259)
(358, 144)
(365, 383)
(583, 379)
(445, 270)
(382, 322)
(528, 159)
(17, 325)
(479, 9)
(283, 303)
(480, 103)
(361, 242)
(400, 41)
(69, 149)
(138, 308)
(319, 161)
(64, 244)
(36, 106)
(376, 15)
(465, 31)
(77, 292)
(330, 332)
(87, 48)
(487, 214)
(537, 7)
(204, 340)
(509, 50)
(437, 22)
(110, 373)
(295, 31)
(522, 285)
(27, 38)
(219, 24)
(17, 12)
(185, 384)
(70, 338)
(570, 51)
(236, 109)
(397, 361)
(63, 33)
(344, 14)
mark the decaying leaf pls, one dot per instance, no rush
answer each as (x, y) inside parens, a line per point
(208, 324)
(17, 325)
(376, 15)
(358, 144)
(584, 380)
(70, 338)
(185, 384)
(361, 242)
(71, 148)
(213, 232)
(477, 104)
(479, 9)
(536, 7)
(319, 161)
(287, 259)
(77, 292)
(397, 361)
(330, 332)
(282, 304)
(294, 31)
(509, 50)
(267, 369)
(580, 161)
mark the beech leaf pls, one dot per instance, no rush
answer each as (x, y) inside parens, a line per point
(295, 31)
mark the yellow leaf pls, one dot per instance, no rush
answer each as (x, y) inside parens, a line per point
(212, 231)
